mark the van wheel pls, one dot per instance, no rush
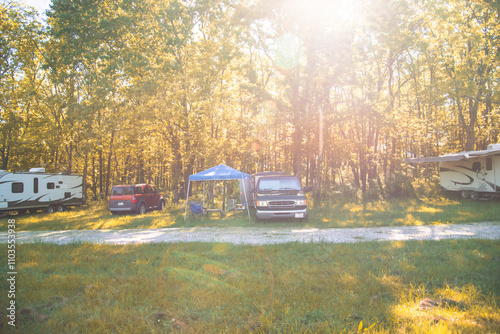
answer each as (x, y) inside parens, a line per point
(142, 208)
(49, 209)
(59, 208)
(474, 195)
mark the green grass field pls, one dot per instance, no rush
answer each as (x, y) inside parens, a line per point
(391, 287)
(355, 214)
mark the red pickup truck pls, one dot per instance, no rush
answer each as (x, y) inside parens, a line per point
(137, 198)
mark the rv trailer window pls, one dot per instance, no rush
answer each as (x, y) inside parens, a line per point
(476, 166)
(50, 185)
(17, 187)
(35, 185)
(489, 164)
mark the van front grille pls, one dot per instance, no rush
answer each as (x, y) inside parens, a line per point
(281, 204)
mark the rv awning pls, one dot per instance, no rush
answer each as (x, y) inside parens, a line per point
(455, 156)
(451, 157)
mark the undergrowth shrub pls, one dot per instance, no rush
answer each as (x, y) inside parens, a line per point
(399, 186)
(428, 187)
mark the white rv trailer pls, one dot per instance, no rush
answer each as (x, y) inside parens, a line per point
(475, 174)
(36, 190)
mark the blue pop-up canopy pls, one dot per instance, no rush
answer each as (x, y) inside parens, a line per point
(218, 173)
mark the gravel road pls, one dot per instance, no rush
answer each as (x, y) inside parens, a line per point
(262, 235)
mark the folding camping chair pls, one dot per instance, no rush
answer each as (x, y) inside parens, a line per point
(238, 208)
(197, 209)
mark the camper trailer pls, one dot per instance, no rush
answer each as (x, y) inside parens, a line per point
(474, 174)
(37, 190)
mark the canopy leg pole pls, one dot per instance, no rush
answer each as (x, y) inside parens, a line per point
(203, 200)
(224, 197)
(187, 199)
(246, 199)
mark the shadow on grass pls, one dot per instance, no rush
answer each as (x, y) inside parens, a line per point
(401, 212)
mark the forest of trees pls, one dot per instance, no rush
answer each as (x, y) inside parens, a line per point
(338, 92)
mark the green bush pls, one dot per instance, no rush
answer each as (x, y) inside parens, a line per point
(399, 186)
(427, 188)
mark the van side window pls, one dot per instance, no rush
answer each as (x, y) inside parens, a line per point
(489, 164)
(17, 187)
(50, 185)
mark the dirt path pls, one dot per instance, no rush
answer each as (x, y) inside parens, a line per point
(262, 235)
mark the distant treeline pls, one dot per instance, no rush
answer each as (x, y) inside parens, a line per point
(336, 92)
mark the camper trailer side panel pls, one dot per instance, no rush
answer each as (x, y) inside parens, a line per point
(468, 175)
(20, 191)
(496, 172)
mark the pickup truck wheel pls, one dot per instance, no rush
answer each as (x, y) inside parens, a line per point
(142, 208)
(161, 205)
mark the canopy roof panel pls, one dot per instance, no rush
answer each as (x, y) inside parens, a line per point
(219, 173)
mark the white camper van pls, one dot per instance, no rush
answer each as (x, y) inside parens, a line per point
(475, 174)
(37, 190)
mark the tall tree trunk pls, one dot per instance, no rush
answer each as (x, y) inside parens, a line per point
(84, 185)
(108, 173)
(94, 178)
(100, 171)
(70, 158)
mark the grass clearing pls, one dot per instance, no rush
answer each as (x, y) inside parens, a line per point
(334, 215)
(391, 287)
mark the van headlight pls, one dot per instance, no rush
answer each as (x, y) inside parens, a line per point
(261, 203)
(301, 202)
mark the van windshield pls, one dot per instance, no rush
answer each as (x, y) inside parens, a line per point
(282, 183)
(118, 191)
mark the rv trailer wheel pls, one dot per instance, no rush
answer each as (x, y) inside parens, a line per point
(465, 194)
(474, 195)
(59, 208)
(49, 209)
